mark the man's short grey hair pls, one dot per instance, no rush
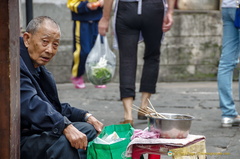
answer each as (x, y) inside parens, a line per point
(36, 22)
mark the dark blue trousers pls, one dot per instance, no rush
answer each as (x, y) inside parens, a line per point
(84, 37)
(44, 146)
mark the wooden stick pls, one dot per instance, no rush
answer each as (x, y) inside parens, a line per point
(146, 112)
(150, 109)
(143, 111)
(153, 107)
(162, 116)
(136, 106)
(158, 113)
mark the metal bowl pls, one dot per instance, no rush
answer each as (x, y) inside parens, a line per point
(175, 126)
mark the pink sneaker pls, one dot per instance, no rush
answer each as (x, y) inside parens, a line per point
(78, 82)
(100, 86)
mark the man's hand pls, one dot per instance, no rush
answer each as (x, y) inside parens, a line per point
(76, 138)
(97, 124)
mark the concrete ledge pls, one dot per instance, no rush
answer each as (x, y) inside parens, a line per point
(189, 52)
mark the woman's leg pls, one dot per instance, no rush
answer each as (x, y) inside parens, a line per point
(127, 36)
(127, 103)
(144, 104)
(151, 28)
(152, 34)
(228, 61)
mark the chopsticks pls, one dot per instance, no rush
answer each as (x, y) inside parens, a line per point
(148, 111)
(140, 110)
(158, 115)
(153, 108)
(143, 111)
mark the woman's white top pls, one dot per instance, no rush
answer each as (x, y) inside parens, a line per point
(230, 3)
(140, 4)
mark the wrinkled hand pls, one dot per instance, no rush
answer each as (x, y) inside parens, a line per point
(96, 124)
(103, 26)
(167, 22)
(76, 138)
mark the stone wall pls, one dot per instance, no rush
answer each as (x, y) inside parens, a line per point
(190, 51)
(192, 48)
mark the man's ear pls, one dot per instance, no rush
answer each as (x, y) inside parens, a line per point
(26, 38)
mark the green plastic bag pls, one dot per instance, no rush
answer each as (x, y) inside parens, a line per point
(111, 151)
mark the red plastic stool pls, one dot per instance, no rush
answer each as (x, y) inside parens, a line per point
(137, 151)
(155, 151)
(153, 156)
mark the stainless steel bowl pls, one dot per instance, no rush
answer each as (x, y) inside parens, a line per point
(175, 126)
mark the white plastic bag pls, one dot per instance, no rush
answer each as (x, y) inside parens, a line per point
(101, 62)
(108, 139)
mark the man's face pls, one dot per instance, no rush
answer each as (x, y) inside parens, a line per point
(43, 44)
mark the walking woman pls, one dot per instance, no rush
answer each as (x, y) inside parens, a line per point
(146, 18)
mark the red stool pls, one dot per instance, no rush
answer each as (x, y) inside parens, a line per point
(155, 150)
(138, 150)
(153, 156)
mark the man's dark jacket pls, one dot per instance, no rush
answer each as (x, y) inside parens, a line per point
(41, 109)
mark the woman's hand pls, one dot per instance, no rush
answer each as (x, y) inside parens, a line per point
(104, 21)
(168, 19)
(167, 22)
(103, 25)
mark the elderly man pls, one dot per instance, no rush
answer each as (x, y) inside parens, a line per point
(49, 129)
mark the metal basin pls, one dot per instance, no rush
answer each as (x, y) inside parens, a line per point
(176, 126)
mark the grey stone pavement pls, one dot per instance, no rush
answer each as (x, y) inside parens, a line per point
(199, 99)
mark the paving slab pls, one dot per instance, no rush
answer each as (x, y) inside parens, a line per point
(199, 99)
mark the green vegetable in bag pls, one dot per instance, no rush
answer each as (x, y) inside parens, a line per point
(101, 62)
(100, 73)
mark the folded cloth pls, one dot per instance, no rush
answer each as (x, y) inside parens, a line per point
(144, 134)
(169, 142)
